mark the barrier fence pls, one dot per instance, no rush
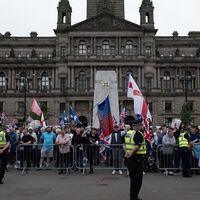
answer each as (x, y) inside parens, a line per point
(169, 158)
(88, 157)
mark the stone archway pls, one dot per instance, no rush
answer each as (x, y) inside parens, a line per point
(129, 119)
(83, 120)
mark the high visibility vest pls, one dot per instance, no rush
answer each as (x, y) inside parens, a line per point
(183, 142)
(130, 143)
(2, 139)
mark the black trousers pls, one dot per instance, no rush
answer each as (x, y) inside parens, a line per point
(135, 168)
(186, 161)
(3, 162)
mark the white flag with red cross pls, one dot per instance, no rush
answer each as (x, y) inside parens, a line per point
(43, 123)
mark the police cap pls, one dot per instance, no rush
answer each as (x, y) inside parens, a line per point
(137, 122)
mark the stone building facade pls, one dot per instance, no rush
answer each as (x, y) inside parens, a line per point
(59, 71)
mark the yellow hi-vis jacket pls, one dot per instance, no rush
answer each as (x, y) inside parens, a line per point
(183, 142)
(2, 139)
(130, 143)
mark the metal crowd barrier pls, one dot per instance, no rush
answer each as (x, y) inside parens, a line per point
(28, 157)
(169, 158)
(88, 157)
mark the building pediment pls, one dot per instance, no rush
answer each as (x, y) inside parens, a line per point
(105, 22)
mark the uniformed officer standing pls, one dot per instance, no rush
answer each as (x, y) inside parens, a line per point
(184, 147)
(4, 144)
(135, 152)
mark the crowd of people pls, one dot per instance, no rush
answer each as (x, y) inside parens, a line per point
(38, 148)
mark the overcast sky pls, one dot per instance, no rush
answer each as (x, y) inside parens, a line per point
(20, 17)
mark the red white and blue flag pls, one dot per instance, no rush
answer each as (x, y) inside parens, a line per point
(62, 124)
(29, 119)
(123, 115)
(106, 126)
(114, 121)
(3, 117)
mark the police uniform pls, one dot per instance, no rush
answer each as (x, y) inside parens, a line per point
(184, 147)
(135, 162)
(4, 139)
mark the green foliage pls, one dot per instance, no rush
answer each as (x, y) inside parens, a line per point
(186, 114)
(44, 109)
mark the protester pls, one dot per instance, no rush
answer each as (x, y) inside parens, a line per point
(47, 140)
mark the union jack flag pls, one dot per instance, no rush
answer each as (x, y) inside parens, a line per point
(123, 115)
(29, 119)
(105, 145)
(3, 117)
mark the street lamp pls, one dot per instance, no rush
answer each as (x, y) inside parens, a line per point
(185, 80)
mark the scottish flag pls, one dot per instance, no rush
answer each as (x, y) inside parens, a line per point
(73, 116)
(64, 117)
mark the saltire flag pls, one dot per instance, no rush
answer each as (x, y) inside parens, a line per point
(123, 115)
(106, 126)
(3, 117)
(43, 123)
(29, 119)
(62, 124)
(140, 106)
(35, 108)
(73, 116)
(64, 117)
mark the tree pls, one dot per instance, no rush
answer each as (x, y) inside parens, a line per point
(44, 109)
(186, 114)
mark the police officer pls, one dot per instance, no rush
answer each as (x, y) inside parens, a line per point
(184, 147)
(4, 145)
(135, 152)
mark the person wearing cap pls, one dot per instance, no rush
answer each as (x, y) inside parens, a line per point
(4, 145)
(135, 152)
(116, 145)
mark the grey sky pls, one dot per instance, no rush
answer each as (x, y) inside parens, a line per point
(20, 17)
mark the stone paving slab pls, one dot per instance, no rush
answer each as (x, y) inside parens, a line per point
(47, 184)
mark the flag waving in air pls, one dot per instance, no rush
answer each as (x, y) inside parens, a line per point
(3, 117)
(73, 116)
(64, 118)
(140, 106)
(35, 108)
(43, 123)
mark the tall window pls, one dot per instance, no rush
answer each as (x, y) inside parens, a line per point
(45, 81)
(63, 84)
(2, 81)
(105, 48)
(22, 83)
(82, 48)
(20, 107)
(63, 51)
(189, 80)
(129, 48)
(148, 84)
(62, 107)
(168, 106)
(82, 80)
(166, 81)
(148, 51)
(135, 50)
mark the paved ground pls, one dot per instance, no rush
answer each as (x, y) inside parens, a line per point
(49, 185)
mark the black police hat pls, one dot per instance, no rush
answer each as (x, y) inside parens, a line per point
(137, 122)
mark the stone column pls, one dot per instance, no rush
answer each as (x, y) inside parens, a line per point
(120, 77)
(13, 78)
(57, 79)
(69, 77)
(154, 78)
(158, 76)
(72, 46)
(198, 86)
(9, 79)
(142, 68)
(91, 112)
(72, 76)
(139, 76)
(119, 45)
(91, 77)
(95, 46)
(117, 71)
(53, 79)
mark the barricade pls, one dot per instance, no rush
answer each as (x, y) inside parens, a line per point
(169, 158)
(28, 157)
(88, 157)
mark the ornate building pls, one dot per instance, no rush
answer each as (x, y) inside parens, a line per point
(59, 71)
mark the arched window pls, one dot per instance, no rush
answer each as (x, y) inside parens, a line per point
(166, 81)
(105, 48)
(188, 80)
(2, 81)
(129, 48)
(82, 48)
(82, 80)
(45, 81)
